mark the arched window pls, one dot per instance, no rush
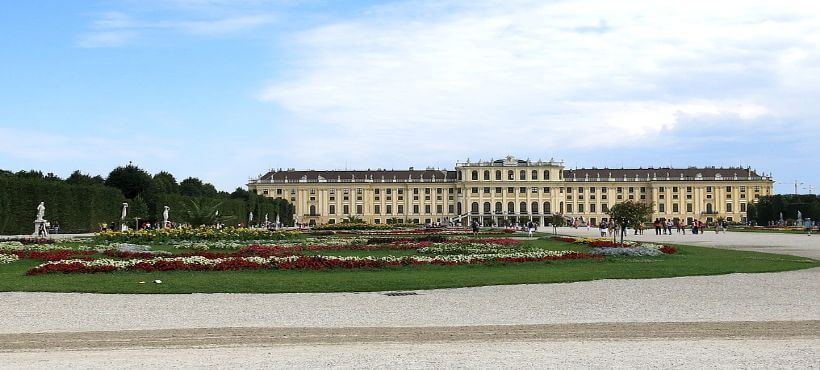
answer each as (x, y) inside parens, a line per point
(534, 208)
(312, 210)
(498, 207)
(474, 208)
(708, 207)
(498, 174)
(487, 208)
(534, 175)
(546, 174)
(511, 208)
(486, 174)
(510, 175)
(522, 207)
(547, 209)
(522, 175)
(561, 207)
(475, 175)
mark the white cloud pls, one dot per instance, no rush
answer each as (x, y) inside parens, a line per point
(527, 77)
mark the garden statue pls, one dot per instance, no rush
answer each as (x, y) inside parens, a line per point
(250, 218)
(124, 211)
(165, 217)
(41, 211)
(40, 224)
(266, 218)
(277, 221)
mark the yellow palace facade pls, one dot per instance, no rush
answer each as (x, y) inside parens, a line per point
(509, 190)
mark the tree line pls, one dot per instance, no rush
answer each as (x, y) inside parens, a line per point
(768, 208)
(81, 202)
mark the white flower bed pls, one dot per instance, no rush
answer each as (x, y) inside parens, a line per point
(8, 258)
(470, 248)
(17, 246)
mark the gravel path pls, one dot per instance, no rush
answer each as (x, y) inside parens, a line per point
(736, 297)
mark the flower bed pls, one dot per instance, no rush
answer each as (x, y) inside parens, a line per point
(201, 263)
(604, 246)
(8, 258)
(200, 233)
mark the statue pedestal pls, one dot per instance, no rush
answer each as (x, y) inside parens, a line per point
(40, 228)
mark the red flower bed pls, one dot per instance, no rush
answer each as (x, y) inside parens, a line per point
(564, 239)
(668, 249)
(54, 255)
(67, 268)
(607, 244)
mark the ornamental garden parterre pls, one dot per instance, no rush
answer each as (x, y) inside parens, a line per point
(261, 261)
(208, 249)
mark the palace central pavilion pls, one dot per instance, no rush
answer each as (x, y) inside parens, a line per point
(505, 191)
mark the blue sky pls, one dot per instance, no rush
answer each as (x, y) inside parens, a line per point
(224, 90)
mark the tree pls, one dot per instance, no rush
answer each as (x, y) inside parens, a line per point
(79, 178)
(194, 187)
(202, 211)
(131, 180)
(352, 219)
(137, 208)
(630, 214)
(165, 183)
(556, 220)
(239, 193)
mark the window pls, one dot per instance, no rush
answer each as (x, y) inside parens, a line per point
(674, 189)
(728, 207)
(603, 196)
(728, 189)
(377, 221)
(487, 190)
(377, 209)
(376, 191)
(439, 209)
(487, 209)
(345, 191)
(415, 190)
(581, 208)
(708, 189)
(547, 208)
(547, 189)
(592, 190)
(346, 209)
(510, 190)
(534, 190)
(486, 174)
(581, 190)
(498, 190)
(292, 191)
(279, 191)
(451, 209)
(643, 189)
(498, 174)
(389, 209)
(359, 209)
(689, 207)
(546, 174)
(359, 191)
(569, 190)
(619, 190)
(510, 175)
(510, 207)
(661, 208)
(474, 208)
(534, 175)
(631, 190)
(522, 207)
(604, 208)
(400, 209)
(332, 209)
(388, 191)
(592, 208)
(474, 190)
(522, 190)
(475, 175)
(688, 189)
(522, 175)
(742, 189)
(569, 207)
(416, 208)
(675, 208)
(439, 191)
(661, 189)
(498, 207)
(742, 207)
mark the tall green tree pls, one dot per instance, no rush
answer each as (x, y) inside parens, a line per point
(130, 179)
(194, 187)
(630, 214)
(165, 183)
(79, 178)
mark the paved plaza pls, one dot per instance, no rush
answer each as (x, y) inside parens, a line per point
(765, 320)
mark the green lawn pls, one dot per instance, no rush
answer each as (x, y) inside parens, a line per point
(688, 261)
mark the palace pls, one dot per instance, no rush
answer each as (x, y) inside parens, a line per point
(504, 191)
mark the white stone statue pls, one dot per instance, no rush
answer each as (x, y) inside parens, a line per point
(41, 211)
(165, 216)
(250, 218)
(124, 211)
(266, 218)
(799, 215)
